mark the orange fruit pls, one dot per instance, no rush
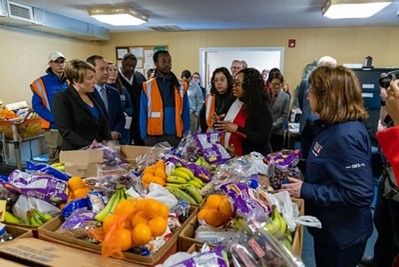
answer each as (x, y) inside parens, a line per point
(149, 169)
(81, 192)
(164, 211)
(158, 226)
(160, 164)
(160, 172)
(141, 234)
(147, 177)
(125, 239)
(225, 209)
(152, 208)
(213, 202)
(201, 214)
(214, 218)
(138, 219)
(158, 180)
(76, 182)
(109, 221)
(125, 207)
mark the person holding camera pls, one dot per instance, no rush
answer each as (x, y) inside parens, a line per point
(386, 214)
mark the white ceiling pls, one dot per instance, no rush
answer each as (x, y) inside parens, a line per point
(218, 14)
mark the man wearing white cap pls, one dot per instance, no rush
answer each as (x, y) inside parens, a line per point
(44, 89)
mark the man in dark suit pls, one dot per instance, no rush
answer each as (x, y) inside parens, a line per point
(306, 123)
(108, 97)
(133, 81)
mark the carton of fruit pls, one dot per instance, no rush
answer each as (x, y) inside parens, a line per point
(49, 233)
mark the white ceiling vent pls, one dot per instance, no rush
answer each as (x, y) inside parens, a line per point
(19, 11)
(167, 28)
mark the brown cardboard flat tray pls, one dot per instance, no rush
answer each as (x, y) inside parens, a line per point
(186, 238)
(48, 233)
(30, 251)
(33, 229)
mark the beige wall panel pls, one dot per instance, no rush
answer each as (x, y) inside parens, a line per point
(24, 57)
(348, 45)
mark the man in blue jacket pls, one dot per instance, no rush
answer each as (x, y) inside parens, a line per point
(44, 89)
(108, 97)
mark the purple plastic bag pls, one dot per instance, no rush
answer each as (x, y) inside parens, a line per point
(41, 186)
(211, 148)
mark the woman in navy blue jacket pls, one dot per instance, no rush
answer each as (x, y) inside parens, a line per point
(338, 185)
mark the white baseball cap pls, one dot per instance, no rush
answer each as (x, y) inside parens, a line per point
(54, 55)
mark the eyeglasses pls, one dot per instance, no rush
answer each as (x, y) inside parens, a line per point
(59, 61)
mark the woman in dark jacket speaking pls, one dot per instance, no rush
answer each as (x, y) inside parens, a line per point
(78, 116)
(338, 186)
(248, 122)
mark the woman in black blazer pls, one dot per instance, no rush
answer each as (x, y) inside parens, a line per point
(78, 115)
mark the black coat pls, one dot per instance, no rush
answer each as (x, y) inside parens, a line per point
(76, 123)
(256, 132)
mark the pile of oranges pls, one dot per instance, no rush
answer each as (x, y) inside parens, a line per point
(154, 174)
(216, 212)
(77, 188)
(7, 114)
(136, 222)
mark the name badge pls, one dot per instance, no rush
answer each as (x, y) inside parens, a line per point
(155, 114)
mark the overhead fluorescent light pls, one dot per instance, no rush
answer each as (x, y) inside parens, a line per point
(344, 9)
(118, 16)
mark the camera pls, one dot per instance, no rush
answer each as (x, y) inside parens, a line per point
(385, 81)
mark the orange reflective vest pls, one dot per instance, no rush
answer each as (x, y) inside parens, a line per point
(155, 114)
(210, 102)
(40, 90)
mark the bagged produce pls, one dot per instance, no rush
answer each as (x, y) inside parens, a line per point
(41, 186)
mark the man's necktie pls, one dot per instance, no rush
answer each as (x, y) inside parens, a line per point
(104, 97)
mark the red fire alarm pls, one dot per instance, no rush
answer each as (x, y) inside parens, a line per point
(291, 43)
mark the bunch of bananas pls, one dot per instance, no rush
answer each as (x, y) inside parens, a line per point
(277, 226)
(10, 218)
(183, 176)
(37, 218)
(184, 185)
(59, 166)
(117, 197)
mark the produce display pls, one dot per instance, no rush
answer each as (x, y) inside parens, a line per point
(136, 208)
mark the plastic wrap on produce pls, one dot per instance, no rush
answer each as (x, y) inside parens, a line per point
(211, 147)
(258, 248)
(32, 167)
(246, 201)
(41, 186)
(111, 151)
(285, 158)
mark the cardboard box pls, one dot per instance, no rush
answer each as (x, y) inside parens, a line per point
(186, 238)
(17, 231)
(130, 153)
(82, 162)
(48, 233)
(32, 252)
(17, 228)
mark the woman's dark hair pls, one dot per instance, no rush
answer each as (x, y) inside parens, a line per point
(254, 90)
(229, 78)
(276, 75)
(271, 73)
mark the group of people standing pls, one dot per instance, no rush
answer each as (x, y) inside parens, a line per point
(80, 101)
